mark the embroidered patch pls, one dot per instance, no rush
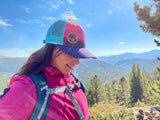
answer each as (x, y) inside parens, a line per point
(4, 92)
(72, 38)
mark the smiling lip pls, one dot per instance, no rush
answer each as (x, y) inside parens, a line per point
(70, 67)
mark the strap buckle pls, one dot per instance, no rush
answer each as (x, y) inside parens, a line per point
(70, 87)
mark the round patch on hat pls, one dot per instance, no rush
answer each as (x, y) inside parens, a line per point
(72, 38)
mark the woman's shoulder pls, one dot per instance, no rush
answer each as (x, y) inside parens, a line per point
(21, 79)
(21, 85)
(21, 95)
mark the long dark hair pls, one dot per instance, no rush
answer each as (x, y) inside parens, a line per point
(37, 61)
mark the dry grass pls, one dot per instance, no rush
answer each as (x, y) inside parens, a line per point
(102, 107)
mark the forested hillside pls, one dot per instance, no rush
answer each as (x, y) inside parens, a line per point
(106, 71)
(140, 85)
(140, 89)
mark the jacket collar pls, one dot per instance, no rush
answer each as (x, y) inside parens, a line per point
(53, 71)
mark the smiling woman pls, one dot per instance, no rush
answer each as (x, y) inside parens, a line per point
(46, 87)
(64, 62)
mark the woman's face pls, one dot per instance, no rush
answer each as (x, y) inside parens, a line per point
(63, 62)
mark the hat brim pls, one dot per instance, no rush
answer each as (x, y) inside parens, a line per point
(76, 52)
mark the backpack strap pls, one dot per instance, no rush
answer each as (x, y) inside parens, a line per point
(42, 105)
(79, 111)
(77, 78)
(62, 89)
(69, 93)
(67, 90)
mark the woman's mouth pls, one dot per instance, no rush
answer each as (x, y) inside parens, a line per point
(70, 67)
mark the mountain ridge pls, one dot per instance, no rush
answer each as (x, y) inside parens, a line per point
(105, 67)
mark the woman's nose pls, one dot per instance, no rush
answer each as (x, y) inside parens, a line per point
(76, 61)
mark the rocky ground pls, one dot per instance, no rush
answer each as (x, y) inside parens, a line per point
(153, 113)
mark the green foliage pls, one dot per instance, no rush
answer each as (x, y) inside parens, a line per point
(115, 90)
(139, 104)
(108, 93)
(95, 92)
(158, 67)
(112, 112)
(135, 84)
(124, 90)
(154, 91)
(124, 114)
(139, 89)
(145, 82)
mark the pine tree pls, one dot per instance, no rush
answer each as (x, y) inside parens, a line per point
(124, 90)
(135, 79)
(139, 83)
(154, 88)
(95, 92)
(108, 93)
(133, 83)
(145, 82)
(155, 75)
(115, 90)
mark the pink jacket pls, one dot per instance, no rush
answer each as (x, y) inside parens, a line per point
(18, 103)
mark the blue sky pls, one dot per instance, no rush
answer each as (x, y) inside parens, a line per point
(110, 26)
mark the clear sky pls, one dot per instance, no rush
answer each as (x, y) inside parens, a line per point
(110, 26)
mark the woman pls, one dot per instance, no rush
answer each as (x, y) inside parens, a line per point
(65, 45)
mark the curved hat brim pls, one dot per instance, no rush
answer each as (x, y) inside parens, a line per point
(76, 52)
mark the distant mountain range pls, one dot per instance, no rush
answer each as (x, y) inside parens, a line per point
(105, 67)
(126, 60)
(129, 56)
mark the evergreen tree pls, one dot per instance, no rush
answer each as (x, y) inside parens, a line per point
(133, 83)
(154, 91)
(91, 100)
(124, 90)
(108, 93)
(145, 85)
(154, 88)
(115, 90)
(95, 92)
(135, 79)
(139, 83)
(155, 75)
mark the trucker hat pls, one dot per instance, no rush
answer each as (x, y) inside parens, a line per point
(68, 36)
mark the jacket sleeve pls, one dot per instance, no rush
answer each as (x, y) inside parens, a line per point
(18, 100)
